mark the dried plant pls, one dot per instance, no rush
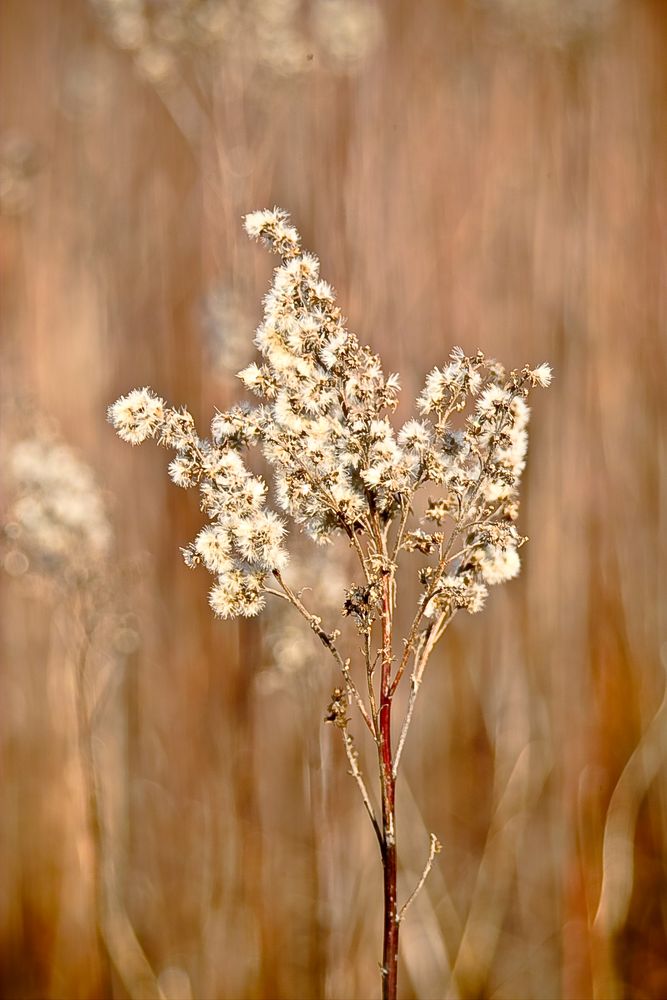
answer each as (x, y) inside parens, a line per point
(57, 524)
(57, 537)
(435, 499)
(276, 36)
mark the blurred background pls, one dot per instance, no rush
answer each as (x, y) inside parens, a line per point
(490, 173)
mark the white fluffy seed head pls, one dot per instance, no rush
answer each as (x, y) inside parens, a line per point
(542, 375)
(213, 545)
(137, 416)
(498, 565)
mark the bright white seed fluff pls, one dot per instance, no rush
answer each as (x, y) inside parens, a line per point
(541, 375)
(137, 416)
(323, 424)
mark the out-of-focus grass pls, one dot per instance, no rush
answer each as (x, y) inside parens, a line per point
(485, 178)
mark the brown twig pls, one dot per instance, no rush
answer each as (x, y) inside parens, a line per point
(435, 848)
(328, 640)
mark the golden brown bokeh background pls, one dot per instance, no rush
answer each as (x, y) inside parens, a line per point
(489, 173)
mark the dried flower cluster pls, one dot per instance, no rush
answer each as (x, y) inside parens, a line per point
(340, 467)
(273, 34)
(324, 428)
(57, 524)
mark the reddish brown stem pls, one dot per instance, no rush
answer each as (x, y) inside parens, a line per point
(390, 935)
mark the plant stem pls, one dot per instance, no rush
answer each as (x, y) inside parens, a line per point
(119, 949)
(388, 781)
(92, 804)
(390, 934)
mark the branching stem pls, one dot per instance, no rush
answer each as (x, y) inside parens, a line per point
(328, 640)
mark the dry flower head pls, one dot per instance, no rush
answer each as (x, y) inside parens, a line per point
(339, 465)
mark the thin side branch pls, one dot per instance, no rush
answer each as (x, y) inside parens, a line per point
(370, 666)
(328, 640)
(276, 593)
(355, 771)
(401, 530)
(434, 849)
(414, 628)
(433, 634)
